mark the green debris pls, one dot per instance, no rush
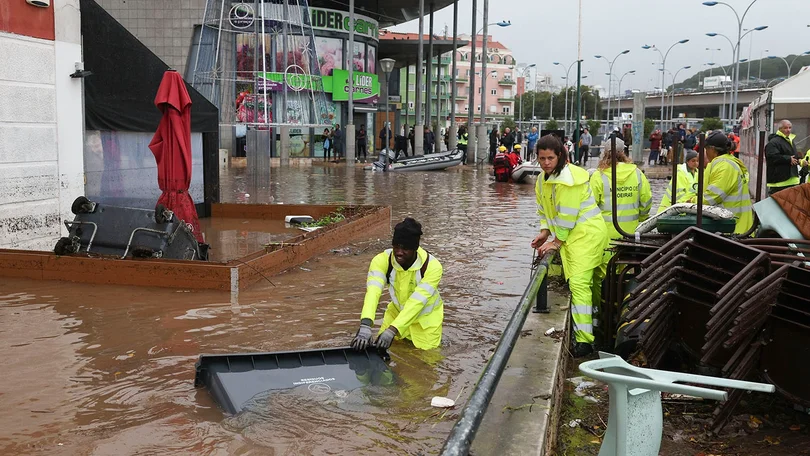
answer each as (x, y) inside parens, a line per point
(328, 219)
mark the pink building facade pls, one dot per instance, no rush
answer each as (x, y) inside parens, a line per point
(501, 81)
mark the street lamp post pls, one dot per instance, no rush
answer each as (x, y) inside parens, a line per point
(789, 65)
(672, 97)
(387, 66)
(610, 74)
(565, 122)
(736, 74)
(618, 100)
(725, 75)
(534, 92)
(523, 75)
(759, 78)
(663, 68)
(482, 127)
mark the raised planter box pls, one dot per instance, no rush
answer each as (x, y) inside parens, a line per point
(233, 276)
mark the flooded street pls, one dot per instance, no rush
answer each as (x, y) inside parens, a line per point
(109, 369)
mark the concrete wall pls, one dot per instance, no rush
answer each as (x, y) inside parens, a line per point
(40, 130)
(165, 27)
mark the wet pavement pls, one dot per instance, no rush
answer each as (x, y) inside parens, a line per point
(109, 369)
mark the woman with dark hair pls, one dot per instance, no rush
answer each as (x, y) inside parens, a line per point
(726, 181)
(571, 222)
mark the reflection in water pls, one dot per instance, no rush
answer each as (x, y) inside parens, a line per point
(109, 369)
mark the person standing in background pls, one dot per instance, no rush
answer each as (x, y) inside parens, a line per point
(337, 139)
(362, 142)
(585, 146)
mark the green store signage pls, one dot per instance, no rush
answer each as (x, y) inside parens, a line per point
(366, 86)
(338, 21)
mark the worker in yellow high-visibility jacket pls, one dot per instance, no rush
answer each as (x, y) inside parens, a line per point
(633, 193)
(686, 185)
(571, 222)
(726, 181)
(412, 275)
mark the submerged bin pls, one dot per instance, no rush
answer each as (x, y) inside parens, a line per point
(235, 379)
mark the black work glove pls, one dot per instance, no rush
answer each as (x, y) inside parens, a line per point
(386, 338)
(363, 337)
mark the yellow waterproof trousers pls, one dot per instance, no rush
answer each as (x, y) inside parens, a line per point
(585, 290)
(422, 338)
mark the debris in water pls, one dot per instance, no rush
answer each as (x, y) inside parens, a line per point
(442, 402)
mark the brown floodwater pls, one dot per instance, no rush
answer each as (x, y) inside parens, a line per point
(109, 369)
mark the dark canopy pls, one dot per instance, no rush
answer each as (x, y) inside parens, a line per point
(120, 94)
(386, 12)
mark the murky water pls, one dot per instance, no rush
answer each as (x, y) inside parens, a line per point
(109, 369)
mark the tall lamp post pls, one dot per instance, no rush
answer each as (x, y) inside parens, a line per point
(619, 93)
(672, 97)
(759, 78)
(736, 74)
(565, 123)
(387, 66)
(482, 126)
(789, 65)
(610, 73)
(725, 75)
(663, 68)
(523, 75)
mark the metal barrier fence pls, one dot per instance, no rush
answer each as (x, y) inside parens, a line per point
(463, 433)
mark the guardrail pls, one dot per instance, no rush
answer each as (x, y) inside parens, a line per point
(463, 433)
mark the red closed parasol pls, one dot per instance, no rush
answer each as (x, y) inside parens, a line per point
(171, 146)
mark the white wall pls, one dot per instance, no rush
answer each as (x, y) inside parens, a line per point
(41, 160)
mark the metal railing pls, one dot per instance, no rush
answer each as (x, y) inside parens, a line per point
(463, 433)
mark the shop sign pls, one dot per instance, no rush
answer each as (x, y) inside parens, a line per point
(338, 21)
(295, 82)
(366, 86)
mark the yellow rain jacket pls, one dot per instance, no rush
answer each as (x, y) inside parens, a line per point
(726, 185)
(686, 191)
(416, 308)
(633, 197)
(567, 208)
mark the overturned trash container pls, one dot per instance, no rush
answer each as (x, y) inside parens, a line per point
(235, 379)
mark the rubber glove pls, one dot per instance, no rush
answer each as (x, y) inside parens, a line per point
(386, 338)
(362, 339)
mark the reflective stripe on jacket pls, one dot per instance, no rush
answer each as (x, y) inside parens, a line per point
(567, 208)
(633, 197)
(726, 185)
(414, 299)
(686, 189)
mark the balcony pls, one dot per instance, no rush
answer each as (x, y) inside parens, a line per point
(505, 100)
(508, 82)
(444, 61)
(461, 79)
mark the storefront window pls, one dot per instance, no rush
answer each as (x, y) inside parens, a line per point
(330, 54)
(359, 57)
(372, 59)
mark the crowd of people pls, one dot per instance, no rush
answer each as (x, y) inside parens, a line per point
(576, 215)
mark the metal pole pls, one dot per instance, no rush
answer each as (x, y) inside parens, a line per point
(565, 120)
(484, 65)
(701, 155)
(453, 142)
(437, 146)
(551, 107)
(463, 433)
(534, 92)
(429, 75)
(407, 100)
(472, 141)
(387, 127)
(579, 85)
(418, 129)
(350, 146)
(520, 108)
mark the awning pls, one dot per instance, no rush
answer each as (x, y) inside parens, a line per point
(405, 51)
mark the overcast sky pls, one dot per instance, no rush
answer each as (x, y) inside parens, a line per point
(545, 31)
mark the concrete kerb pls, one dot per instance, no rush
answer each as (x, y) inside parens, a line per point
(523, 415)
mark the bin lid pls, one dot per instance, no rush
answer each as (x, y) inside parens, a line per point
(235, 379)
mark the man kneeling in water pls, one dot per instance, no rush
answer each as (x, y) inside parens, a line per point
(412, 275)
